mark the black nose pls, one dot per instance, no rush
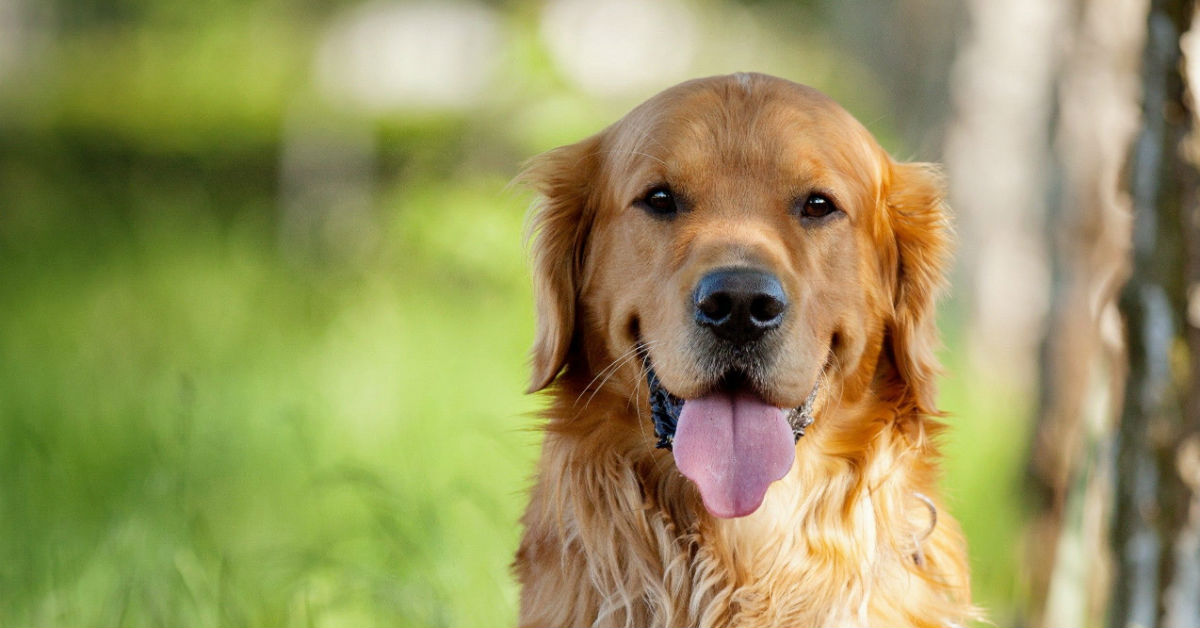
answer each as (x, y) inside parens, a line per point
(739, 304)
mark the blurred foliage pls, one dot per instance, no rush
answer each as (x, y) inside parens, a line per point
(208, 420)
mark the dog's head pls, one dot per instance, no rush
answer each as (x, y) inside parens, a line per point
(739, 242)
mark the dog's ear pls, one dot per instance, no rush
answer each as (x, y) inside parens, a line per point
(558, 228)
(920, 225)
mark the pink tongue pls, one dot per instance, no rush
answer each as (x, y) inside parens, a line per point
(732, 445)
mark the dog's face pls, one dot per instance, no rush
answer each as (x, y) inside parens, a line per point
(740, 243)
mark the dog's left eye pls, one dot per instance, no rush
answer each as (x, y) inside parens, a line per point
(660, 201)
(817, 206)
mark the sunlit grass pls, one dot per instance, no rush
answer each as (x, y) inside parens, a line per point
(985, 450)
(199, 433)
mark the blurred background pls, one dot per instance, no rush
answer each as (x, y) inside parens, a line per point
(265, 307)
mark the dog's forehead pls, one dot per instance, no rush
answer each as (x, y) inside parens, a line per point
(753, 121)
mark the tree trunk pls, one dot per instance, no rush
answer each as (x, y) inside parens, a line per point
(1082, 367)
(1155, 527)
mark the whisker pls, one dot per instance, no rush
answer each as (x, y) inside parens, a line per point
(611, 372)
(637, 393)
(636, 351)
(833, 385)
(616, 363)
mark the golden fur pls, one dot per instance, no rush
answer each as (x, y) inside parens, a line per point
(614, 534)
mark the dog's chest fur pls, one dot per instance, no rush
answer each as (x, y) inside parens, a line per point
(614, 538)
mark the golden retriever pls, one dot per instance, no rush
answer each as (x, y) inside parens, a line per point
(735, 296)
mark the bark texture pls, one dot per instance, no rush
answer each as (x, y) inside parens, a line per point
(1156, 580)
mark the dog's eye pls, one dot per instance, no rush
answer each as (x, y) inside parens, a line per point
(817, 206)
(660, 201)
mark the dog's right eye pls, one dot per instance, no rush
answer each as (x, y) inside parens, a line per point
(660, 201)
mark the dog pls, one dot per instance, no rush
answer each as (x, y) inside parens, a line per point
(735, 293)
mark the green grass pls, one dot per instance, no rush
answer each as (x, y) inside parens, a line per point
(198, 432)
(982, 474)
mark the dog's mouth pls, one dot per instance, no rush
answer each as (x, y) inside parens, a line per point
(730, 442)
(665, 407)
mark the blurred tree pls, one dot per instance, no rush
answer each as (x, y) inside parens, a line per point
(1156, 535)
(911, 53)
(1081, 371)
(1145, 467)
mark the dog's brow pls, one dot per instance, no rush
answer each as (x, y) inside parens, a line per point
(614, 151)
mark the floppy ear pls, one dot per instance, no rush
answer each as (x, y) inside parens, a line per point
(558, 228)
(921, 228)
